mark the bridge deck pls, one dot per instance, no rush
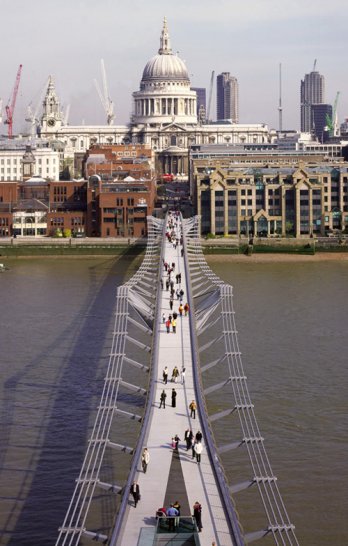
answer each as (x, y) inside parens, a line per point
(170, 478)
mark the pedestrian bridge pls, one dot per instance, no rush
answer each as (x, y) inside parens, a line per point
(206, 345)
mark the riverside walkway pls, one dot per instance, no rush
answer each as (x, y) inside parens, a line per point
(205, 344)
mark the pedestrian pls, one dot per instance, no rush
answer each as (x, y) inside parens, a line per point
(171, 284)
(198, 451)
(171, 304)
(163, 399)
(183, 373)
(145, 459)
(182, 252)
(175, 315)
(173, 266)
(167, 285)
(188, 438)
(178, 294)
(176, 440)
(173, 443)
(172, 292)
(193, 407)
(174, 326)
(193, 448)
(177, 278)
(165, 266)
(165, 375)
(168, 323)
(135, 492)
(181, 294)
(177, 506)
(175, 374)
(197, 514)
(170, 317)
(163, 318)
(199, 436)
(172, 513)
(174, 393)
(161, 281)
(186, 309)
(181, 309)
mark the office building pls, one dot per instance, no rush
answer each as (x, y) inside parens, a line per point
(269, 194)
(201, 103)
(312, 92)
(321, 115)
(227, 98)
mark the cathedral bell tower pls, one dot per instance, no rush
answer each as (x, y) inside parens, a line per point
(51, 119)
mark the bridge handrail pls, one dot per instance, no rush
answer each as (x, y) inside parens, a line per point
(216, 465)
(148, 405)
(263, 476)
(75, 519)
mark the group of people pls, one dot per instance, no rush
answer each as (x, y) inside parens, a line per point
(175, 374)
(194, 443)
(172, 514)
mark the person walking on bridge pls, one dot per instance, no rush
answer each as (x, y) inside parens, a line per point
(163, 399)
(145, 459)
(174, 393)
(135, 492)
(198, 451)
(197, 514)
(192, 408)
(165, 375)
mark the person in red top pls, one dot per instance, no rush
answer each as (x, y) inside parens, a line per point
(186, 309)
(197, 514)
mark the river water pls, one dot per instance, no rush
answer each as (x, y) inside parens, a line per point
(56, 322)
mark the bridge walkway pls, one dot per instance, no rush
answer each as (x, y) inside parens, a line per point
(189, 482)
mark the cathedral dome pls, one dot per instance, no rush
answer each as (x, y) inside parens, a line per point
(165, 65)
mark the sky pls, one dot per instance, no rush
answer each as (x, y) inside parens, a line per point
(68, 38)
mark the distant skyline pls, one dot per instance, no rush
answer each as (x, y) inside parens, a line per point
(68, 39)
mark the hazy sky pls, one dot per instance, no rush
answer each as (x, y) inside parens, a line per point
(68, 38)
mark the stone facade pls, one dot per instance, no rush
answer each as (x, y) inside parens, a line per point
(164, 117)
(306, 200)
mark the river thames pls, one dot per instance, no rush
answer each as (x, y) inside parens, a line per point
(57, 317)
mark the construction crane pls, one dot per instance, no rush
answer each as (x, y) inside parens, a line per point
(280, 107)
(210, 94)
(314, 65)
(332, 121)
(33, 117)
(66, 115)
(104, 96)
(10, 107)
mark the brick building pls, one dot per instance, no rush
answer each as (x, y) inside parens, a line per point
(113, 201)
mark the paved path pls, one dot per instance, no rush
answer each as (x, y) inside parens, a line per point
(189, 481)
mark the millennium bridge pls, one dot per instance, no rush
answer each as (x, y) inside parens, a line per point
(206, 346)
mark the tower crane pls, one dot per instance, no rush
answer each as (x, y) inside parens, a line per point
(210, 94)
(10, 107)
(332, 122)
(104, 96)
